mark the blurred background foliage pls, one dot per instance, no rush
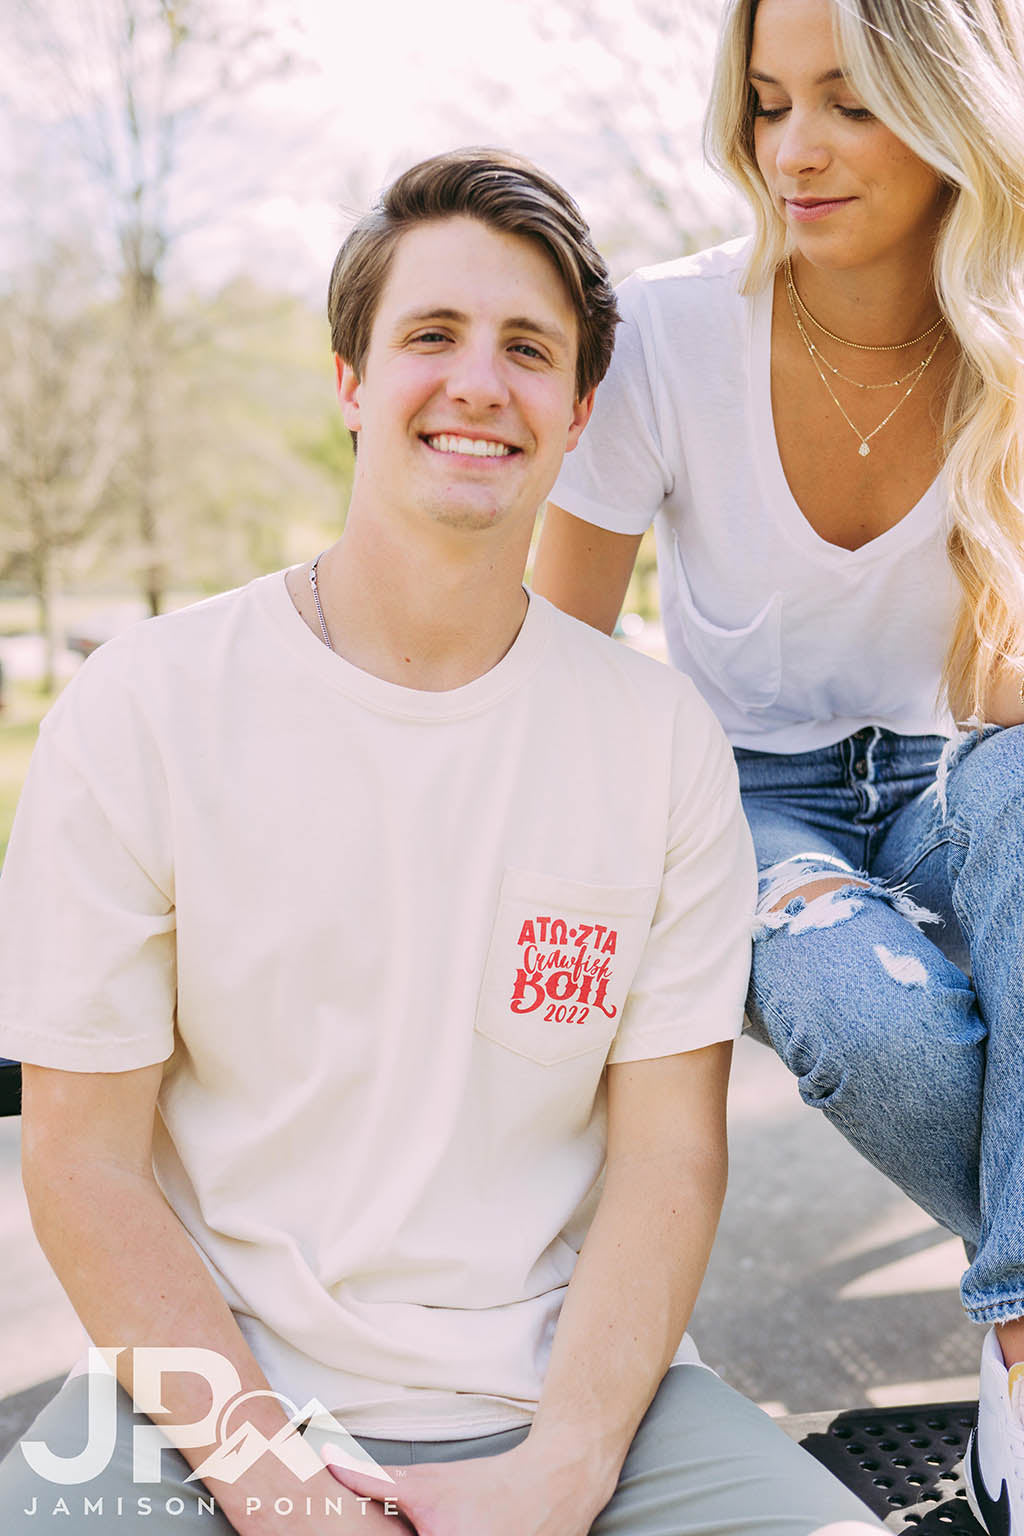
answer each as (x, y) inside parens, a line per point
(152, 434)
(245, 458)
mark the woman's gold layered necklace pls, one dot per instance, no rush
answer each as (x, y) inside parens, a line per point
(913, 375)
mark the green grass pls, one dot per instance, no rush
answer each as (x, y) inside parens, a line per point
(24, 707)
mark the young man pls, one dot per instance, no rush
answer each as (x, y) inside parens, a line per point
(377, 936)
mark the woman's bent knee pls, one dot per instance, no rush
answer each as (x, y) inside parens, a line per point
(845, 984)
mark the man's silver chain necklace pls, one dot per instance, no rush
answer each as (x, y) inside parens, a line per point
(316, 599)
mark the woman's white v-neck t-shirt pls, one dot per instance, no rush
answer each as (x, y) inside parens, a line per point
(795, 642)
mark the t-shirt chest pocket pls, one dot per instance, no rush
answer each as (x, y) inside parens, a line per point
(745, 663)
(560, 964)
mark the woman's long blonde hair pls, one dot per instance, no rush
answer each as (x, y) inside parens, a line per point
(947, 77)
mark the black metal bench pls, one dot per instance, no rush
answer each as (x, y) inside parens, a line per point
(10, 1087)
(904, 1463)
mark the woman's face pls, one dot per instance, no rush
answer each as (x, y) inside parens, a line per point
(851, 192)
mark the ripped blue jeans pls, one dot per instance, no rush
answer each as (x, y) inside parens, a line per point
(899, 1006)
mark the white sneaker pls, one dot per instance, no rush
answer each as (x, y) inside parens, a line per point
(994, 1463)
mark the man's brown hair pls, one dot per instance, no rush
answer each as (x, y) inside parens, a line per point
(509, 194)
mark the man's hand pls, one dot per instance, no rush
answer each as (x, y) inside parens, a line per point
(512, 1494)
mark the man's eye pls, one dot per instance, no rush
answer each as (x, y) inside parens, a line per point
(527, 350)
(431, 336)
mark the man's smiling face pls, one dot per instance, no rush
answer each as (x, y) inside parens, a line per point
(467, 400)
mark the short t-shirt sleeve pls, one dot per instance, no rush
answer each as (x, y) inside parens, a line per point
(87, 930)
(617, 476)
(691, 984)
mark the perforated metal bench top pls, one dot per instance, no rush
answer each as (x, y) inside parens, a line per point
(904, 1463)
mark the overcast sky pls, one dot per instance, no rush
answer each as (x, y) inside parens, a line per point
(608, 101)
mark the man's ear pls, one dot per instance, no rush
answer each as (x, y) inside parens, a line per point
(580, 416)
(348, 392)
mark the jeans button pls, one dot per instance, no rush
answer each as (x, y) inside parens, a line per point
(860, 768)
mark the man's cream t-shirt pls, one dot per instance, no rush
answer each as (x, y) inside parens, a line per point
(385, 941)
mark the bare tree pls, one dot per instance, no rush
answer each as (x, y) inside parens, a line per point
(63, 423)
(639, 92)
(141, 87)
(624, 85)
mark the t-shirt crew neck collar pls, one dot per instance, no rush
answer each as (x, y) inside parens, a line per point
(518, 663)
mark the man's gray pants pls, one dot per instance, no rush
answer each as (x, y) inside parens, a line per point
(704, 1462)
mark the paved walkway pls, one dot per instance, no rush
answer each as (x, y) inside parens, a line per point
(827, 1287)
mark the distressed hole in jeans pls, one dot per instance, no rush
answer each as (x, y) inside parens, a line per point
(837, 904)
(906, 969)
(799, 895)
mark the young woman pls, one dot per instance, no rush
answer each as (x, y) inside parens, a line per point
(826, 425)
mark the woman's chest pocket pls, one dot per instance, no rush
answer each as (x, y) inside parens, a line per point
(560, 965)
(745, 663)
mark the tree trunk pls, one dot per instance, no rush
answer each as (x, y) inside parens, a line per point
(143, 297)
(44, 585)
